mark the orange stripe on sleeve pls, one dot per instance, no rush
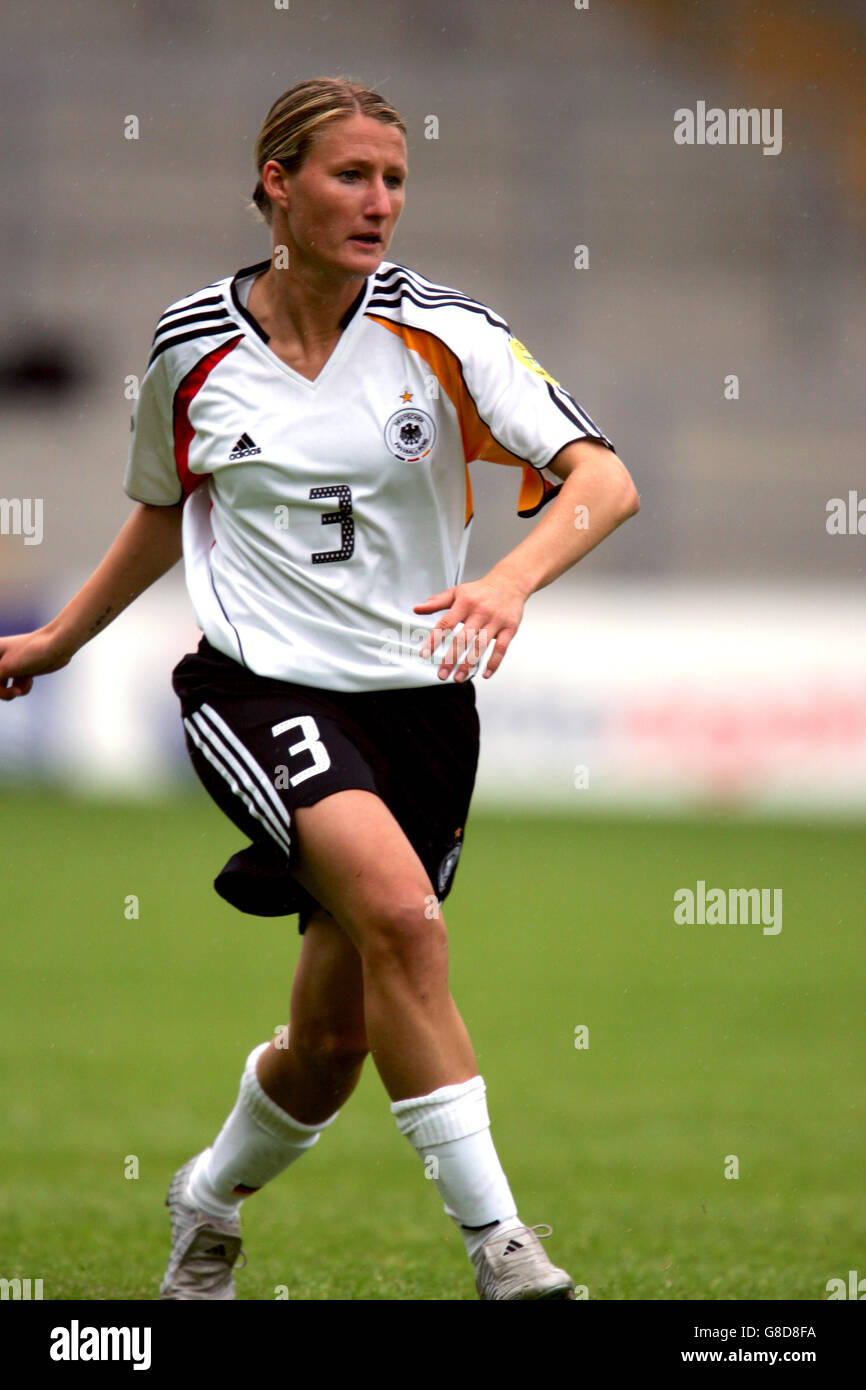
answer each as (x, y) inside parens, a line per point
(478, 442)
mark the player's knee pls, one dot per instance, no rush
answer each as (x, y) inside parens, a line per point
(405, 933)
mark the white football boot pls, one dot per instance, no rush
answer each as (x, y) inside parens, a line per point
(513, 1265)
(204, 1248)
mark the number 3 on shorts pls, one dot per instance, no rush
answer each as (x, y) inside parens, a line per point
(310, 741)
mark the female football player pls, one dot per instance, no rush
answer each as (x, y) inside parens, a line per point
(302, 438)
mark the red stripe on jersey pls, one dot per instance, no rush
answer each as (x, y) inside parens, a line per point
(183, 429)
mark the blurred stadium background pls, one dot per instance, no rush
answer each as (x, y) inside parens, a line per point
(714, 648)
(709, 658)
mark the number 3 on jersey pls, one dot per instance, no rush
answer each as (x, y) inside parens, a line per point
(310, 743)
(343, 518)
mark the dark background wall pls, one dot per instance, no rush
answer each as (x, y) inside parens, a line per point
(555, 130)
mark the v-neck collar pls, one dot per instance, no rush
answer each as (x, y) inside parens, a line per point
(264, 338)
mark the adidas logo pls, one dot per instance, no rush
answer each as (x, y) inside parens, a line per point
(244, 448)
(512, 1246)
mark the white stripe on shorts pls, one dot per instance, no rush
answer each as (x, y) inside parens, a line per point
(253, 767)
(219, 756)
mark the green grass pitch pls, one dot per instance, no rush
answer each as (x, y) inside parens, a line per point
(125, 1037)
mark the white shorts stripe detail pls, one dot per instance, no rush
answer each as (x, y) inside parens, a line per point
(259, 811)
(244, 753)
(281, 824)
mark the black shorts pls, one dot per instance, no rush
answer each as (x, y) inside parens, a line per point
(263, 747)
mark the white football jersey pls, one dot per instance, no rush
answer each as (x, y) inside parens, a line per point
(318, 513)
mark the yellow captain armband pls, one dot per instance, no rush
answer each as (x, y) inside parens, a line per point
(525, 357)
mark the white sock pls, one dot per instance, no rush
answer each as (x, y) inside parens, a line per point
(450, 1129)
(258, 1140)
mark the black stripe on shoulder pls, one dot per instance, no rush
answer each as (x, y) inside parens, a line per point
(205, 317)
(220, 331)
(403, 292)
(578, 415)
(429, 296)
(186, 308)
(420, 283)
(399, 277)
(402, 272)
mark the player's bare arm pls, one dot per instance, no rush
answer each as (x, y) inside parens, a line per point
(598, 490)
(146, 547)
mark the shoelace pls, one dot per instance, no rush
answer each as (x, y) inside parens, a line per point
(518, 1262)
(542, 1231)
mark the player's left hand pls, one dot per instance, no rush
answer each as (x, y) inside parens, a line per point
(490, 610)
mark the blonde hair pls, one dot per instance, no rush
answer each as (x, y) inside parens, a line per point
(295, 118)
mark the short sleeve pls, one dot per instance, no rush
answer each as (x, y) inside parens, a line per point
(527, 414)
(151, 471)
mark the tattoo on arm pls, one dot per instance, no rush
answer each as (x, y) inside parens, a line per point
(99, 621)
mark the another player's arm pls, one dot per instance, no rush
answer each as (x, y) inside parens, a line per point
(596, 481)
(146, 547)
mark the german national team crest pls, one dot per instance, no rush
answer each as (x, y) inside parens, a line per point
(410, 434)
(448, 867)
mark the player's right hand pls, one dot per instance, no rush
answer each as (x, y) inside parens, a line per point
(27, 655)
